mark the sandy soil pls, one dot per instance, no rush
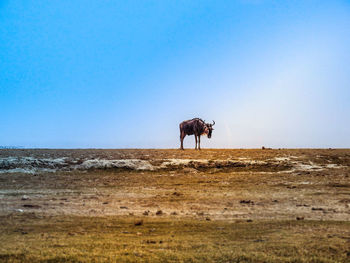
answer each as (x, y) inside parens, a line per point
(300, 184)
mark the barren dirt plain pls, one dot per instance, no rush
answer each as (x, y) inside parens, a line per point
(150, 205)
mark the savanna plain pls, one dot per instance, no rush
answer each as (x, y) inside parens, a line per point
(148, 205)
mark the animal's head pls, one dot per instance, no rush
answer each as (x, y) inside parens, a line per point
(210, 128)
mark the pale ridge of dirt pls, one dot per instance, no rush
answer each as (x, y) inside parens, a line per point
(33, 165)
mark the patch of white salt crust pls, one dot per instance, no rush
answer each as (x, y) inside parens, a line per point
(135, 164)
(334, 166)
(29, 165)
(308, 167)
(30, 160)
(177, 162)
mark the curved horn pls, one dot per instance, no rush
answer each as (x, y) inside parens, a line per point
(213, 122)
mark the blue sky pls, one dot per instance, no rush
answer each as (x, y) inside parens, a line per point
(120, 74)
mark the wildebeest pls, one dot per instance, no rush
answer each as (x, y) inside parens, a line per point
(197, 127)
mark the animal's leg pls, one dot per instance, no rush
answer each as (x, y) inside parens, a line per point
(182, 137)
(195, 136)
(199, 142)
(180, 140)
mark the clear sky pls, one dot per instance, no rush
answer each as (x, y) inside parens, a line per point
(119, 74)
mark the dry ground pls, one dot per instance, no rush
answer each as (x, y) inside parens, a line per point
(191, 206)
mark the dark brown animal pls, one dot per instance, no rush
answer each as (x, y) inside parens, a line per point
(197, 127)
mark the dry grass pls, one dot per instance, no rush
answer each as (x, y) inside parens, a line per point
(116, 239)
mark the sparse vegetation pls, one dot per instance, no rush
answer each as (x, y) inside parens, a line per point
(118, 239)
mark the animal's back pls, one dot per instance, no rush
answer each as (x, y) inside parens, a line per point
(190, 126)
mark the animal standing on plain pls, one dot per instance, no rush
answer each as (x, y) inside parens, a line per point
(197, 127)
